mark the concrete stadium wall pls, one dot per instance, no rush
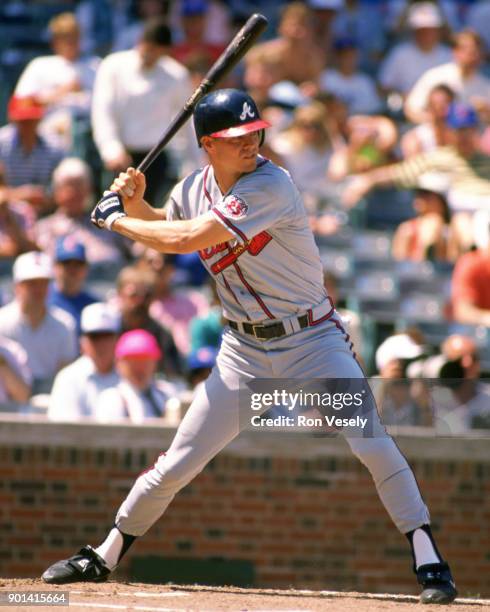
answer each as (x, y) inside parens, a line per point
(285, 508)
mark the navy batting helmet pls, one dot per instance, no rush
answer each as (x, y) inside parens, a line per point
(227, 113)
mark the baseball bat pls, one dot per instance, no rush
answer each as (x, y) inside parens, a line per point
(233, 53)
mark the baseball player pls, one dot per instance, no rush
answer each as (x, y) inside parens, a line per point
(247, 220)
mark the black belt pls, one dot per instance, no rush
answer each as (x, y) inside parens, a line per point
(267, 332)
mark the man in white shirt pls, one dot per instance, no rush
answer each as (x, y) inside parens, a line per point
(409, 60)
(77, 387)
(62, 81)
(137, 93)
(46, 334)
(461, 75)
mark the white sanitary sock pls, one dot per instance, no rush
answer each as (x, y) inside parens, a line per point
(110, 549)
(423, 549)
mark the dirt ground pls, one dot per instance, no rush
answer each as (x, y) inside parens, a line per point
(177, 598)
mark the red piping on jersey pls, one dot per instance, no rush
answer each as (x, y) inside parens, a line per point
(340, 327)
(252, 291)
(309, 312)
(233, 227)
(227, 284)
(204, 181)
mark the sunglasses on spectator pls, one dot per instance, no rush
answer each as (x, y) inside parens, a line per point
(102, 335)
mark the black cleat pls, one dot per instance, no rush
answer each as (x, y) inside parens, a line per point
(85, 566)
(438, 584)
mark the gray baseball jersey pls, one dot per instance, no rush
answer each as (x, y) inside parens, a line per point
(272, 269)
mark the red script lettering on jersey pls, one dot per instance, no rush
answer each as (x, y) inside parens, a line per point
(254, 247)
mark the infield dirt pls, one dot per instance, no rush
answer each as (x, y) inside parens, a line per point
(122, 596)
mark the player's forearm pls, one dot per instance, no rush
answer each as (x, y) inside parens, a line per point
(163, 236)
(140, 209)
(174, 236)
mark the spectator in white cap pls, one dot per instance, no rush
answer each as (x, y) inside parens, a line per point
(397, 397)
(77, 387)
(394, 352)
(409, 60)
(138, 395)
(47, 334)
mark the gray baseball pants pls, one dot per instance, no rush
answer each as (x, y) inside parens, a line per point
(212, 421)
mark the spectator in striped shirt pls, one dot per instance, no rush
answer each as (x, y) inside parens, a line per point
(28, 159)
(466, 170)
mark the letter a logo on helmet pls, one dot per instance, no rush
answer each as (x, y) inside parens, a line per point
(247, 111)
(227, 113)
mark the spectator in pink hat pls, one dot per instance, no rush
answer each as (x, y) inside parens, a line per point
(138, 395)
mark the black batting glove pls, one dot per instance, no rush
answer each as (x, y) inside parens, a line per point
(107, 210)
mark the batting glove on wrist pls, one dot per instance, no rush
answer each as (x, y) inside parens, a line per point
(107, 210)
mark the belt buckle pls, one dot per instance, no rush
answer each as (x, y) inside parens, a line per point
(256, 326)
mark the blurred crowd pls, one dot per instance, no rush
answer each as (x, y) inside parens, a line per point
(380, 110)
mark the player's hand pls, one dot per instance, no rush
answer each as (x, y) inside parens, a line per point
(130, 186)
(357, 188)
(107, 210)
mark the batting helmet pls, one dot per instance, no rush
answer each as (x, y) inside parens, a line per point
(227, 113)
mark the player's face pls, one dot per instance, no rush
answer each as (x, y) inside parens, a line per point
(238, 153)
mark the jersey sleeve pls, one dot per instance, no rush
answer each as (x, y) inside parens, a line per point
(172, 208)
(256, 204)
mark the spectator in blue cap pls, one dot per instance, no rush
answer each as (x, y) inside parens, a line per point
(70, 274)
(199, 365)
(461, 116)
